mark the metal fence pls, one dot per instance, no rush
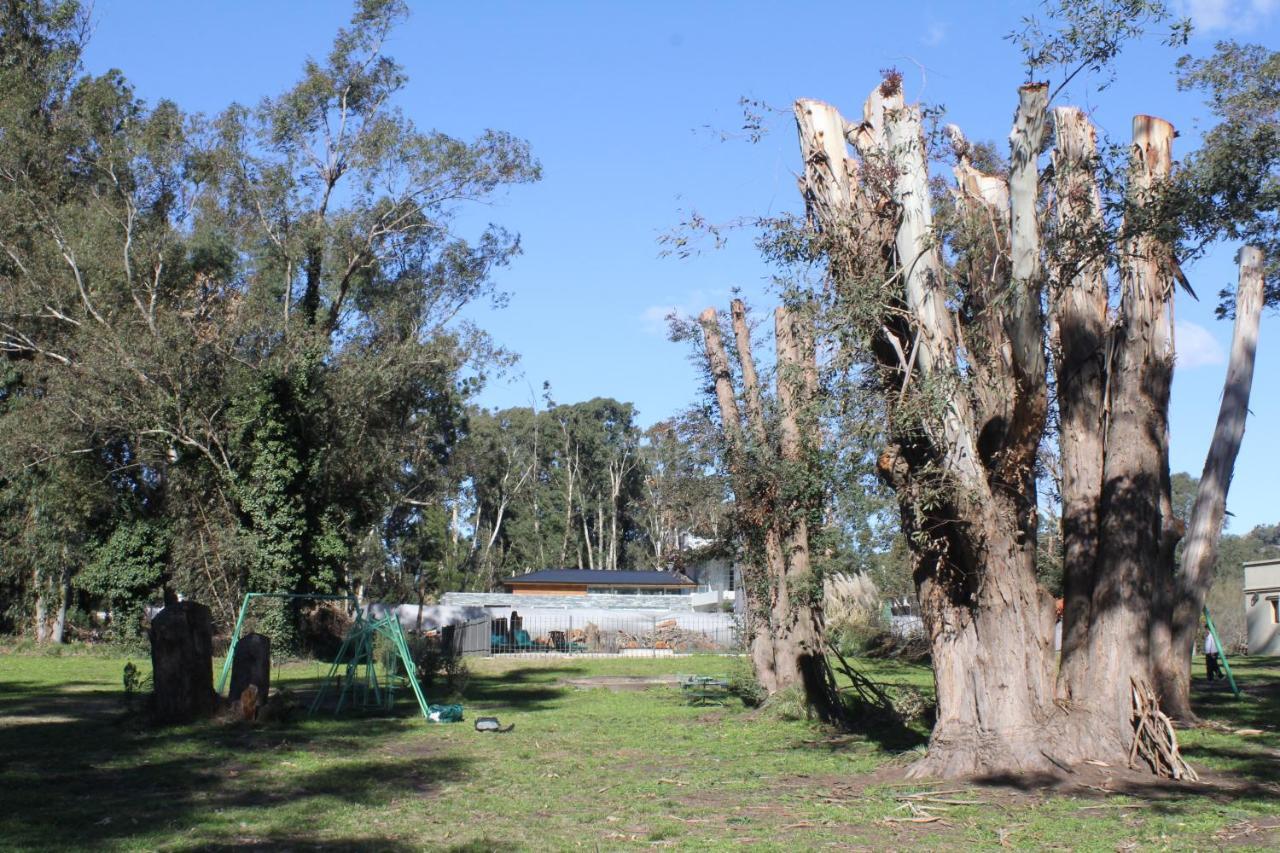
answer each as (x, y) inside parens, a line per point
(467, 639)
(622, 634)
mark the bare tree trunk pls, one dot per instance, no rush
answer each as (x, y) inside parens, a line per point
(988, 621)
(42, 608)
(537, 508)
(568, 499)
(750, 381)
(58, 634)
(586, 540)
(1200, 554)
(618, 471)
(600, 543)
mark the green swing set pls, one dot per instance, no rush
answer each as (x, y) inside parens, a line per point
(354, 687)
(1226, 665)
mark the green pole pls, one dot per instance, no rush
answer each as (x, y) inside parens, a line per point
(235, 638)
(402, 646)
(1221, 653)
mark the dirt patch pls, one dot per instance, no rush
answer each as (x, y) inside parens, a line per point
(1262, 833)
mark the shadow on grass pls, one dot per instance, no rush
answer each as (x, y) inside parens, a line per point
(519, 689)
(80, 773)
(280, 841)
(1163, 796)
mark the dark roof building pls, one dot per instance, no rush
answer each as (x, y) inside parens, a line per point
(583, 581)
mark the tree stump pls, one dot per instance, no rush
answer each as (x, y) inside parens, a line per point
(251, 665)
(182, 663)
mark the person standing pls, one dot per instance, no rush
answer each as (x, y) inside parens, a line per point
(1212, 669)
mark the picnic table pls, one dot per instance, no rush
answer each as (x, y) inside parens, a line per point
(704, 689)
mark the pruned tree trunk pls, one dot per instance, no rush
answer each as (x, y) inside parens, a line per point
(1079, 336)
(974, 555)
(957, 351)
(799, 646)
(251, 666)
(775, 491)
(182, 663)
(756, 576)
(771, 592)
(1199, 556)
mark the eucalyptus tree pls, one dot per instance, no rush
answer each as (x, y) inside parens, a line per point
(962, 309)
(250, 320)
(561, 486)
(685, 492)
(772, 450)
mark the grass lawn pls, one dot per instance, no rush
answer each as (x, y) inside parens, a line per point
(585, 768)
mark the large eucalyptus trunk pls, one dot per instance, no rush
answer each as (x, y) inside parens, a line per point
(1080, 341)
(1178, 624)
(964, 482)
(1132, 527)
(964, 380)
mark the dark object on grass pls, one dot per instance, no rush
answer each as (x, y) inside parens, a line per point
(182, 663)
(251, 665)
(491, 724)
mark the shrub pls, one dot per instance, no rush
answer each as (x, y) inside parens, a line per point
(743, 684)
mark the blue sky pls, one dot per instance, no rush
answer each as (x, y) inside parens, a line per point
(627, 106)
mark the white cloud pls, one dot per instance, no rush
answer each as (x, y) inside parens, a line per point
(654, 318)
(934, 34)
(1196, 346)
(1209, 16)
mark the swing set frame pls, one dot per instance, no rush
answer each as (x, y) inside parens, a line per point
(357, 650)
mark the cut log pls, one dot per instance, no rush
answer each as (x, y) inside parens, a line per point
(182, 663)
(251, 665)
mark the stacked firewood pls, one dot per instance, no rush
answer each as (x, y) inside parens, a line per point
(667, 634)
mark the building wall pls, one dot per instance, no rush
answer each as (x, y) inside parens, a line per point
(717, 573)
(1261, 602)
(1262, 575)
(1260, 619)
(573, 602)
